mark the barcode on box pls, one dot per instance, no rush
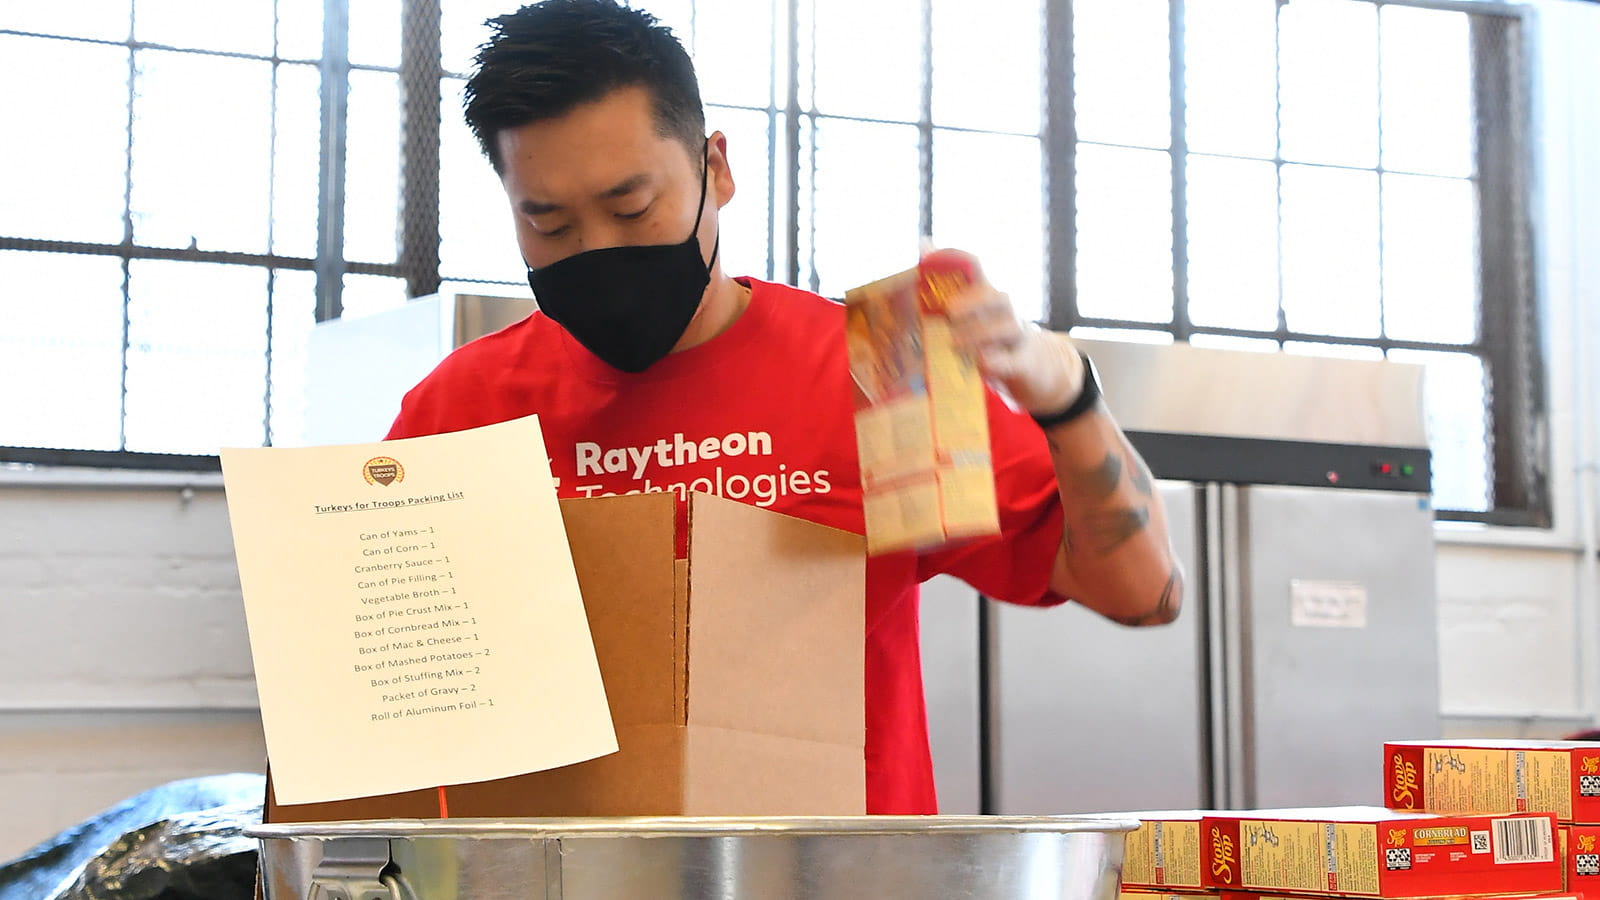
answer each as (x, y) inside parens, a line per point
(1523, 841)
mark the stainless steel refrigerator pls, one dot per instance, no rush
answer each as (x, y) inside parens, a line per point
(1308, 635)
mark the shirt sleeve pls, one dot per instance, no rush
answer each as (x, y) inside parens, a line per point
(437, 404)
(409, 422)
(1015, 565)
(401, 427)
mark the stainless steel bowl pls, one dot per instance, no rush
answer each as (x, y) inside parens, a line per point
(868, 857)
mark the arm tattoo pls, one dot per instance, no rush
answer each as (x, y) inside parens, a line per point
(1166, 608)
(1099, 482)
(1109, 529)
(1139, 474)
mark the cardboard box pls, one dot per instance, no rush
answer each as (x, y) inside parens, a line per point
(1163, 854)
(734, 676)
(1137, 893)
(1580, 850)
(1372, 852)
(1494, 776)
(1247, 895)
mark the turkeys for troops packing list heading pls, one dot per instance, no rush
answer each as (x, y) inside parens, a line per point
(414, 614)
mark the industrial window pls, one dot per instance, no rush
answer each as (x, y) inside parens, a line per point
(1323, 176)
(1335, 177)
(158, 223)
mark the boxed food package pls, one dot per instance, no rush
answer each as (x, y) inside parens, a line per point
(1565, 895)
(1494, 776)
(1580, 848)
(1163, 854)
(1373, 852)
(922, 426)
(734, 676)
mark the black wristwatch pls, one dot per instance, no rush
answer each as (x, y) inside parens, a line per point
(1088, 396)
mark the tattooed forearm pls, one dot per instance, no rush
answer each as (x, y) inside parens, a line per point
(1114, 546)
(1098, 482)
(1110, 528)
(1167, 605)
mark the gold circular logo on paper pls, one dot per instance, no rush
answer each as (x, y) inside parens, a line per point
(383, 470)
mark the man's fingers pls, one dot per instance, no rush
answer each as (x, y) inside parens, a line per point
(1000, 363)
(987, 320)
(982, 336)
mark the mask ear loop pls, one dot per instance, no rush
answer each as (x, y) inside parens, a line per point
(705, 171)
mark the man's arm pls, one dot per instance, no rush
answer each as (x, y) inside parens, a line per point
(1115, 556)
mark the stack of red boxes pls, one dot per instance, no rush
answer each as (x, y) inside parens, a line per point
(1464, 819)
(1558, 777)
(1340, 852)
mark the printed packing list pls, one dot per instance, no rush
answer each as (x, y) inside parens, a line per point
(414, 614)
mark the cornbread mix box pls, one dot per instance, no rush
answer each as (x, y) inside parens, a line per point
(1494, 776)
(1371, 852)
(1580, 848)
(734, 676)
(922, 425)
(1138, 893)
(1163, 853)
(1247, 895)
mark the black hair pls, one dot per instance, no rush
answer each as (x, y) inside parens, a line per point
(548, 58)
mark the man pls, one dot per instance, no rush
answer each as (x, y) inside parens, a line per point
(651, 369)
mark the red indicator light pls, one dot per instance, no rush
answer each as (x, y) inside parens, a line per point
(1385, 469)
(1333, 477)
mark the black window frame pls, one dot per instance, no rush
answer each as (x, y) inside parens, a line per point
(1509, 342)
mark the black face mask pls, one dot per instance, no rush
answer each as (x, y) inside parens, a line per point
(628, 305)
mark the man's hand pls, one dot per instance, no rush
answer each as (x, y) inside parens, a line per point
(1114, 555)
(1040, 369)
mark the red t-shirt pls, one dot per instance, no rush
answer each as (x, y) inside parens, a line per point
(762, 413)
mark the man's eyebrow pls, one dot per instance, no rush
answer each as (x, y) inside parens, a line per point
(534, 208)
(625, 187)
(620, 189)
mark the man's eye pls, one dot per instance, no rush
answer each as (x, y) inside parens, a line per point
(633, 215)
(554, 232)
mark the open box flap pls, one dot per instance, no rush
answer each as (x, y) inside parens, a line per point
(777, 617)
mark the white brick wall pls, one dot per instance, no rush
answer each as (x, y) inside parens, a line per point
(123, 656)
(57, 769)
(127, 598)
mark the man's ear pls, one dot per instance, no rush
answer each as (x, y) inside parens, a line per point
(719, 175)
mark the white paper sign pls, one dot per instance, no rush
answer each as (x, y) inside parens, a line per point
(1327, 604)
(414, 614)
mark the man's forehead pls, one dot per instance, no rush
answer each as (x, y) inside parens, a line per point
(537, 169)
(619, 130)
(595, 180)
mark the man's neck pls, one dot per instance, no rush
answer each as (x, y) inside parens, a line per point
(724, 301)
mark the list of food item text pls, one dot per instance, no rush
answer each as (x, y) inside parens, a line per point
(417, 641)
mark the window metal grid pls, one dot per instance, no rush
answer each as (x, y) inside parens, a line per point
(128, 250)
(1507, 328)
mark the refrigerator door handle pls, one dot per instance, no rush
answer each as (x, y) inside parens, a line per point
(1231, 744)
